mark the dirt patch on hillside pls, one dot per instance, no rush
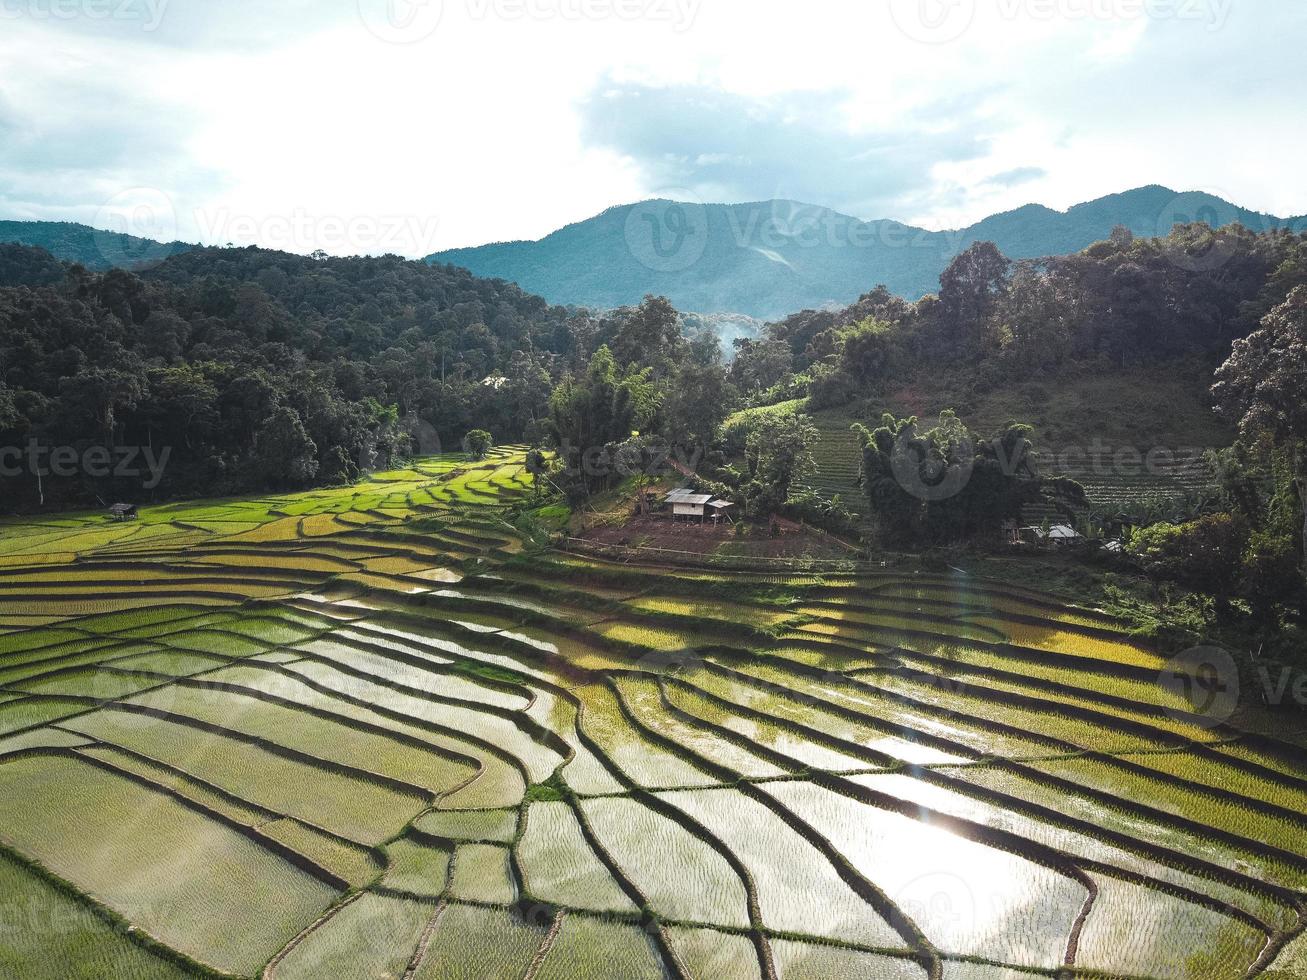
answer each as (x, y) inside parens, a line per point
(792, 541)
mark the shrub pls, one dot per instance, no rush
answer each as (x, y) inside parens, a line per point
(478, 443)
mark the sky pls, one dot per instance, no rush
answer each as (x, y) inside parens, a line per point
(409, 126)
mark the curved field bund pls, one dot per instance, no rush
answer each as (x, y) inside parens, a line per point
(314, 736)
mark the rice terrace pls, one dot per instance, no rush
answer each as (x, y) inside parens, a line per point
(382, 731)
(653, 490)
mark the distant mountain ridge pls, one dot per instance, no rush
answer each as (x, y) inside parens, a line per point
(762, 260)
(96, 249)
(771, 258)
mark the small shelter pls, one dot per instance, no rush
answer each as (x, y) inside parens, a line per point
(1057, 534)
(123, 512)
(687, 503)
(1063, 534)
(720, 510)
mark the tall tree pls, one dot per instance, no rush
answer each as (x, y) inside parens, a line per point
(1263, 385)
(970, 290)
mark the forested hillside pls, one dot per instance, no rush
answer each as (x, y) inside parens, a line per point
(92, 247)
(260, 369)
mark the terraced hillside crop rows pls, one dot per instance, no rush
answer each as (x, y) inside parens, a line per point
(319, 742)
(1117, 481)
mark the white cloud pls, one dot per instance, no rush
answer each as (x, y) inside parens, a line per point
(289, 123)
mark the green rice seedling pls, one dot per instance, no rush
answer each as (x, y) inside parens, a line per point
(1143, 715)
(847, 621)
(1122, 818)
(1208, 809)
(102, 684)
(729, 612)
(710, 953)
(643, 762)
(55, 937)
(966, 970)
(561, 867)
(885, 727)
(653, 637)
(62, 657)
(540, 760)
(440, 683)
(1078, 843)
(284, 529)
(1204, 771)
(1051, 723)
(811, 961)
(217, 642)
(417, 869)
(1278, 763)
(803, 893)
(470, 825)
(136, 619)
(788, 741)
(355, 864)
(967, 899)
(459, 950)
(370, 937)
(41, 738)
(1077, 644)
(588, 947)
(35, 711)
(482, 874)
(166, 662)
(270, 629)
(1147, 693)
(202, 793)
(29, 640)
(277, 657)
(352, 807)
(187, 619)
(79, 542)
(642, 699)
(703, 887)
(336, 741)
(294, 563)
(196, 884)
(1291, 963)
(1143, 932)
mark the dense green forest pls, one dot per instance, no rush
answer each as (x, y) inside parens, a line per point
(260, 369)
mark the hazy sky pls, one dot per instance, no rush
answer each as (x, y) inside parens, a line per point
(413, 125)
